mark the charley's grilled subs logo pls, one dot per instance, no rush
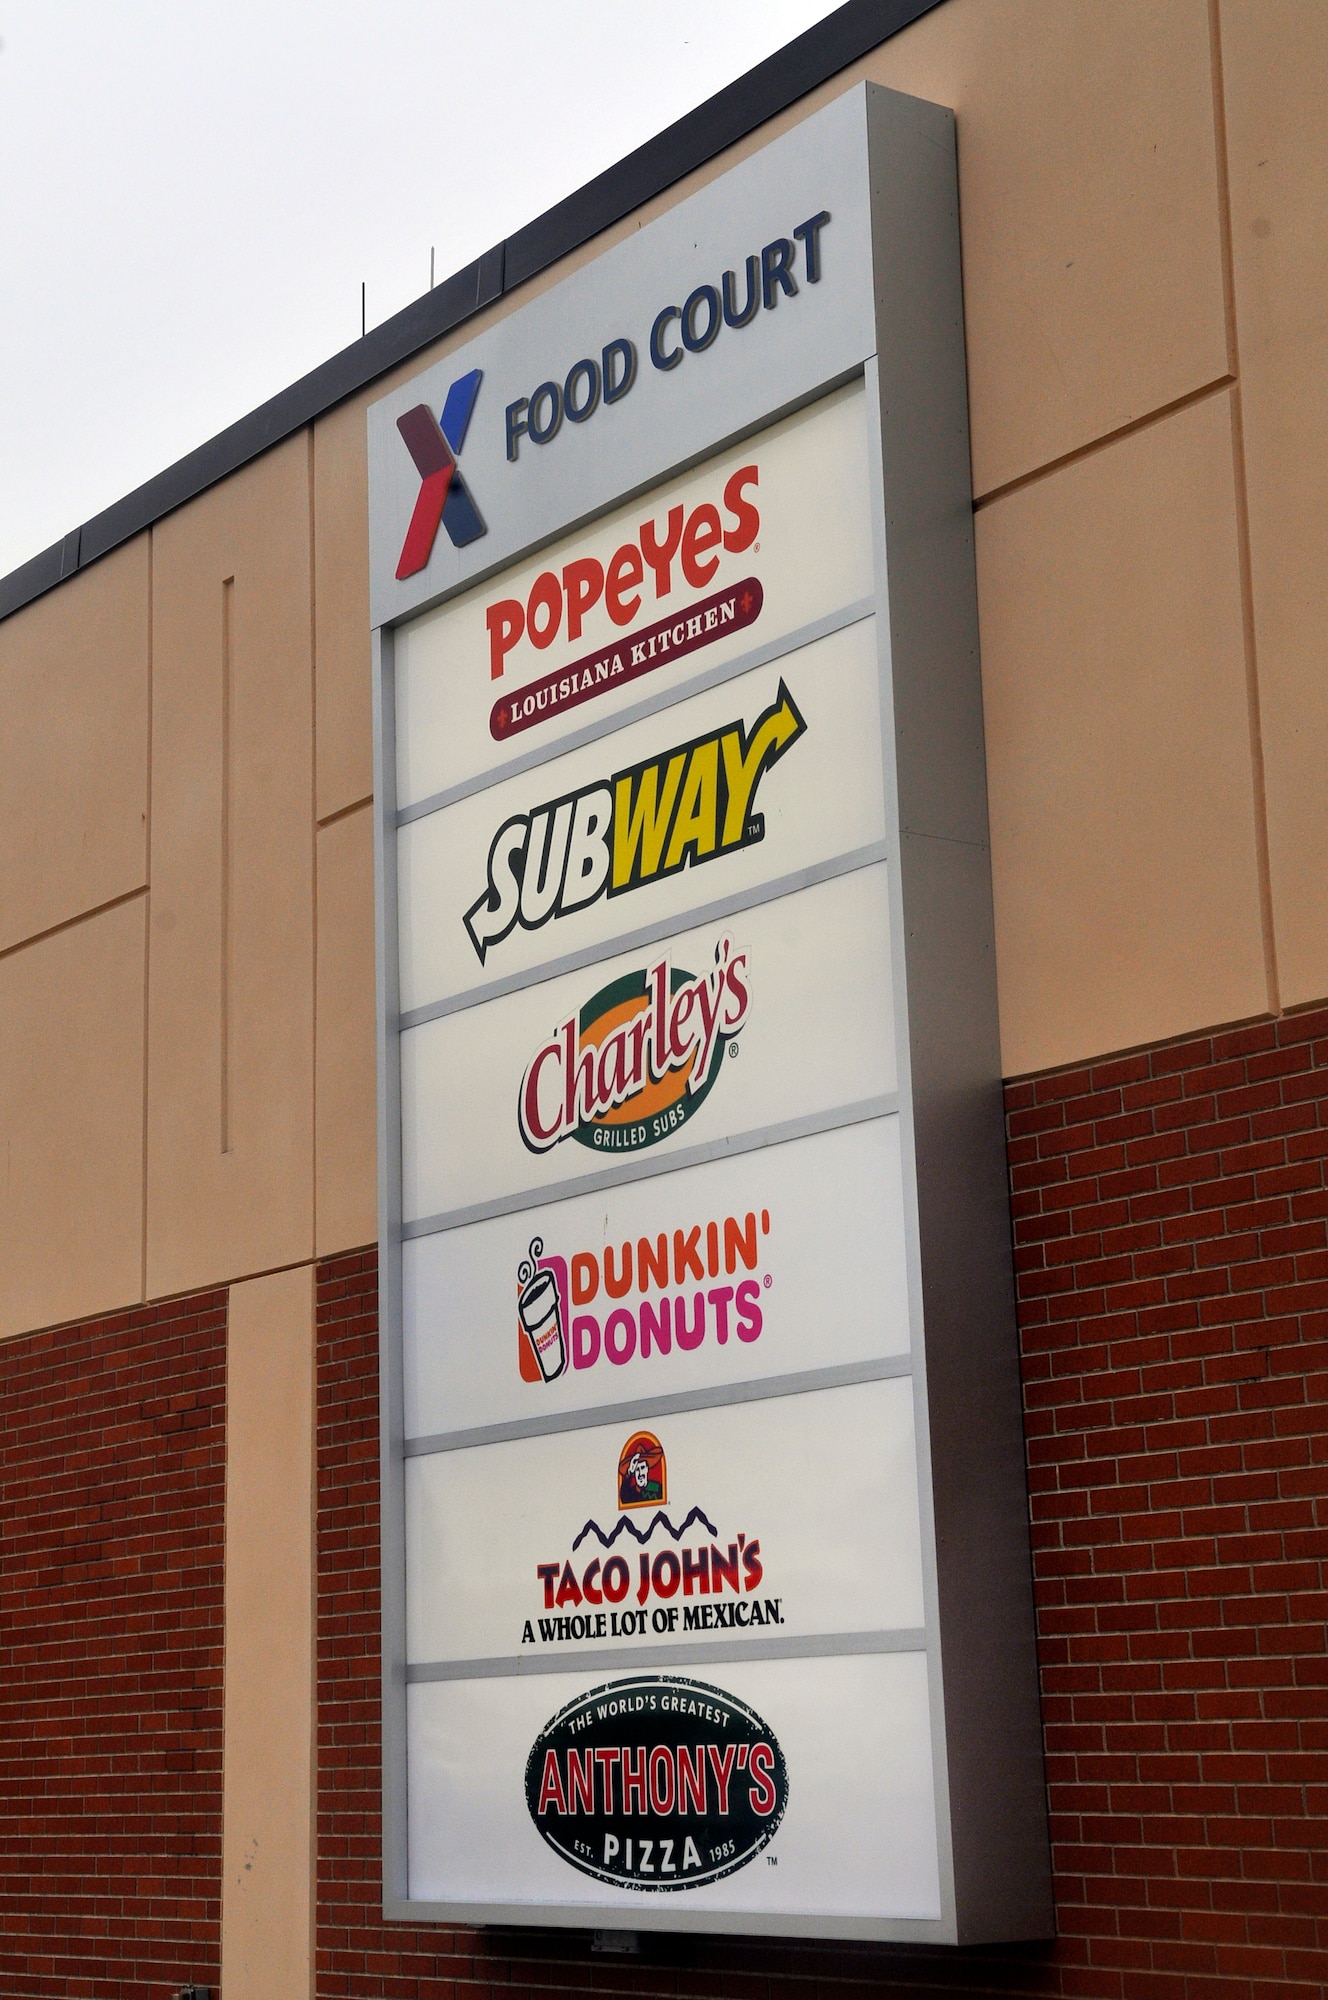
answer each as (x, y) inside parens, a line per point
(638, 1059)
(688, 805)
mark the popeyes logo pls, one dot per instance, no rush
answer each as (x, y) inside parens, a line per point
(586, 593)
(639, 1059)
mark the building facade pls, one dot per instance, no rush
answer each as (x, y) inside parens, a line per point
(190, 1720)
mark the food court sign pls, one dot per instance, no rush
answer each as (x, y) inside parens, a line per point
(703, 1518)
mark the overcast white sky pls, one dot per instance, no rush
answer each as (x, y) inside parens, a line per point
(193, 190)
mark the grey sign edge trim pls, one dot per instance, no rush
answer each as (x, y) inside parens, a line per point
(647, 1916)
(811, 1646)
(763, 1388)
(987, 1733)
(391, 1360)
(763, 655)
(645, 935)
(644, 1168)
(783, 79)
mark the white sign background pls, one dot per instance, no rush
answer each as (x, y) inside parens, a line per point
(858, 1836)
(834, 1255)
(826, 1483)
(819, 1037)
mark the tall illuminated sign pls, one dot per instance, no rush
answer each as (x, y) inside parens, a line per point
(705, 1565)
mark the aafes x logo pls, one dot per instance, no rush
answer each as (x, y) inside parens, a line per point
(435, 445)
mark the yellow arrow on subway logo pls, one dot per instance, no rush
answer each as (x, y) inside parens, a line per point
(696, 800)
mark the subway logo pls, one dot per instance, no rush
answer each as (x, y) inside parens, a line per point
(688, 805)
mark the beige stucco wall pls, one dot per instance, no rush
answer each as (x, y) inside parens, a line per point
(1143, 194)
(267, 1835)
(186, 921)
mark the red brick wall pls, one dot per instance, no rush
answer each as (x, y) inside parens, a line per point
(1171, 1229)
(112, 1485)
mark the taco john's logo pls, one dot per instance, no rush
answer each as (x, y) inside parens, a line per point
(585, 1590)
(642, 1472)
(656, 1783)
(638, 1059)
(683, 807)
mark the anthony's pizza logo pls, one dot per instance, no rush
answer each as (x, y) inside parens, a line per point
(639, 1058)
(656, 1782)
(685, 806)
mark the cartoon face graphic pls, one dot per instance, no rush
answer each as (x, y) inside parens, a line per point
(642, 1476)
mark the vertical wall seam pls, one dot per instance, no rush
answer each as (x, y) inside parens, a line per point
(147, 921)
(1258, 776)
(312, 1918)
(313, 838)
(227, 622)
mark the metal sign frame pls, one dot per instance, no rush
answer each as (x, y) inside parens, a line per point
(883, 166)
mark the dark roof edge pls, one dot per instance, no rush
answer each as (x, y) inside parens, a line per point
(761, 94)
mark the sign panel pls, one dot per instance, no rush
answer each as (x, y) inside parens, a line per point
(621, 1535)
(739, 1027)
(859, 1847)
(815, 1224)
(705, 1551)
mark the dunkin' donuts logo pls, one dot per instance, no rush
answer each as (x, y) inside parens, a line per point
(638, 1060)
(636, 1315)
(678, 809)
(656, 1782)
(539, 1307)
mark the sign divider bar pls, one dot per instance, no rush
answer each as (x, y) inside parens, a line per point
(815, 1646)
(651, 704)
(884, 1106)
(844, 1375)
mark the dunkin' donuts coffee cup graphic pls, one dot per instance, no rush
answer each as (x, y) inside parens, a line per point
(541, 1308)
